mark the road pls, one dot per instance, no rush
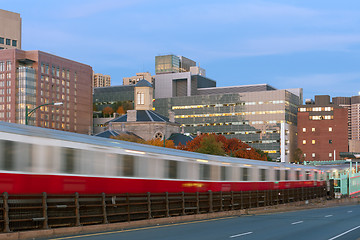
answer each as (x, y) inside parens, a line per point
(338, 223)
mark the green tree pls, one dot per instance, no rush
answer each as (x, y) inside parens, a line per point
(209, 145)
(298, 156)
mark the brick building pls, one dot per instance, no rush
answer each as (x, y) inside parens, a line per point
(322, 129)
(33, 78)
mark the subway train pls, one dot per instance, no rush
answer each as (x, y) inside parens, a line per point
(35, 160)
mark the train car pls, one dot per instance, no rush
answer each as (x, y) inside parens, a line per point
(35, 160)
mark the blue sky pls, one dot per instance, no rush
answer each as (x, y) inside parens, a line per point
(314, 45)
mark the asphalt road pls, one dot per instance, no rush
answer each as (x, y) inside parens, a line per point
(338, 223)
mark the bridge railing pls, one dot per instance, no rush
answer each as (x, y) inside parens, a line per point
(27, 212)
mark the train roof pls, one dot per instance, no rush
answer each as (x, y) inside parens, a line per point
(26, 130)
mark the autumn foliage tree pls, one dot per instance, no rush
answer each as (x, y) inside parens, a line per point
(160, 143)
(107, 111)
(220, 145)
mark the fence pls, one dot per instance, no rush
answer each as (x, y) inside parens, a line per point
(27, 212)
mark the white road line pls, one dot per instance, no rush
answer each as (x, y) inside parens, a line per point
(242, 234)
(297, 222)
(328, 216)
(344, 233)
(349, 211)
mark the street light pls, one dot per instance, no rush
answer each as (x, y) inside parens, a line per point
(28, 114)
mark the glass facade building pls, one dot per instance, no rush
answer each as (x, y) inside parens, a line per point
(264, 119)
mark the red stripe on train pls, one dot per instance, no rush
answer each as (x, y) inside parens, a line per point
(16, 183)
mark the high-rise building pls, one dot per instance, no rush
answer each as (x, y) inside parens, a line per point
(100, 80)
(34, 78)
(355, 118)
(345, 102)
(10, 30)
(139, 76)
(322, 129)
(172, 64)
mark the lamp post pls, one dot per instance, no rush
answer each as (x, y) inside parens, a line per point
(28, 114)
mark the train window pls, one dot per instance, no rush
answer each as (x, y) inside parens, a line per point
(287, 174)
(277, 174)
(204, 172)
(245, 174)
(316, 176)
(171, 169)
(297, 175)
(69, 156)
(8, 155)
(262, 174)
(307, 174)
(23, 156)
(128, 166)
(225, 173)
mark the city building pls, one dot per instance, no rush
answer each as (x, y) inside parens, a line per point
(355, 118)
(139, 76)
(259, 115)
(107, 96)
(322, 129)
(34, 78)
(172, 64)
(100, 80)
(143, 121)
(10, 30)
(345, 102)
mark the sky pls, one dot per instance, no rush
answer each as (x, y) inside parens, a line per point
(314, 45)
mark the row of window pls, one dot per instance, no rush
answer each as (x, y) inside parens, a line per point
(5, 66)
(314, 155)
(56, 71)
(316, 109)
(8, 41)
(326, 117)
(230, 114)
(314, 141)
(229, 104)
(313, 129)
(16, 156)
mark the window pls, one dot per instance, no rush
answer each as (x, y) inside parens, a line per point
(204, 171)
(304, 129)
(245, 174)
(140, 98)
(330, 141)
(297, 175)
(14, 43)
(225, 173)
(8, 65)
(305, 155)
(2, 40)
(313, 154)
(330, 154)
(262, 174)
(313, 129)
(8, 41)
(277, 175)
(307, 174)
(2, 66)
(128, 168)
(287, 174)
(312, 141)
(69, 160)
(302, 109)
(330, 129)
(304, 142)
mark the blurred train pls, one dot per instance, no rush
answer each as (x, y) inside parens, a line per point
(36, 160)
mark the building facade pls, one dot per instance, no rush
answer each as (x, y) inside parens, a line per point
(10, 30)
(259, 115)
(322, 129)
(355, 118)
(34, 78)
(100, 80)
(172, 64)
(139, 76)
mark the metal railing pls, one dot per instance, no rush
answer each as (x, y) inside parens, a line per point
(27, 212)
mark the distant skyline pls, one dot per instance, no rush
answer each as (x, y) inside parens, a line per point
(314, 45)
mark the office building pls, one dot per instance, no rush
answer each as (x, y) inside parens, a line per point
(322, 129)
(259, 115)
(139, 76)
(100, 80)
(34, 78)
(10, 30)
(172, 64)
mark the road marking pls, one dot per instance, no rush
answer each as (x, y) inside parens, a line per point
(328, 216)
(344, 233)
(297, 222)
(241, 234)
(144, 228)
(349, 211)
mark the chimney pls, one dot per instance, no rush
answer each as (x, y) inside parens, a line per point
(131, 116)
(198, 133)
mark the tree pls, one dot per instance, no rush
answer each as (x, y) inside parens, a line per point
(209, 145)
(107, 111)
(120, 110)
(160, 143)
(298, 156)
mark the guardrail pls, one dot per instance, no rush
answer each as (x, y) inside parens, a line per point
(28, 212)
